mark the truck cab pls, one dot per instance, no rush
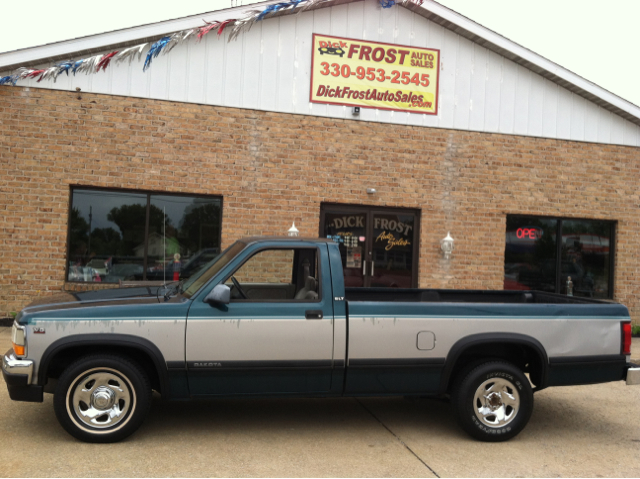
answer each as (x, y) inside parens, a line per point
(275, 331)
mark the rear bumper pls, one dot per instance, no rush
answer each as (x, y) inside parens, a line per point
(633, 375)
(17, 374)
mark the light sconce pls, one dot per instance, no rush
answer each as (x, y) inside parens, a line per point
(446, 245)
(293, 231)
(371, 191)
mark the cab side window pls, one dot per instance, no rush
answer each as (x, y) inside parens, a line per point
(283, 274)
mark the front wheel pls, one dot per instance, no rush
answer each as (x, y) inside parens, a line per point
(493, 402)
(102, 398)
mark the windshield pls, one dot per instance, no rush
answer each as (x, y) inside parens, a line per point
(209, 270)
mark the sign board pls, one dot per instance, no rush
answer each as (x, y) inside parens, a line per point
(367, 74)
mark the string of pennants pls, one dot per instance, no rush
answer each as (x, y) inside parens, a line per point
(167, 43)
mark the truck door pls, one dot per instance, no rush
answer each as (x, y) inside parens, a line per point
(276, 335)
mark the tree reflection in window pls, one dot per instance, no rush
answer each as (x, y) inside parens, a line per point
(128, 236)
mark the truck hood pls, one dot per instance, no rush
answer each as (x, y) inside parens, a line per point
(72, 299)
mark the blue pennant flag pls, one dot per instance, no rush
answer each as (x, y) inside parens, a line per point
(9, 79)
(76, 65)
(154, 51)
(64, 67)
(295, 3)
(274, 8)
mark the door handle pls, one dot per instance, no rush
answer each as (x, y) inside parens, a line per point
(372, 267)
(313, 314)
(364, 267)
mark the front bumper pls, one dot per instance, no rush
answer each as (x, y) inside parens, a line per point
(17, 374)
(633, 375)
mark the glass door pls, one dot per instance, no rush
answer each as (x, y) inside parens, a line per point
(378, 246)
(349, 230)
(392, 250)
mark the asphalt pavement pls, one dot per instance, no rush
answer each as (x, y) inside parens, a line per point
(580, 431)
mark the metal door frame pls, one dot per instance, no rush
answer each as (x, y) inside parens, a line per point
(370, 210)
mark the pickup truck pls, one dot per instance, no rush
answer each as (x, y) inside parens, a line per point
(272, 317)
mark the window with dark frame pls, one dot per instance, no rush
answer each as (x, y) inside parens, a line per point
(379, 246)
(130, 235)
(277, 274)
(542, 253)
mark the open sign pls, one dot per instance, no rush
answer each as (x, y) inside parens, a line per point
(533, 233)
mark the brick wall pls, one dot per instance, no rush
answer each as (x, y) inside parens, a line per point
(271, 266)
(273, 168)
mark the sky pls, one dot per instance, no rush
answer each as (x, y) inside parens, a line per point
(581, 35)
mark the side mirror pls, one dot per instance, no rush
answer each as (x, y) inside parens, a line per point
(220, 294)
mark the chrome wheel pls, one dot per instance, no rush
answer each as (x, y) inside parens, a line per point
(101, 398)
(496, 402)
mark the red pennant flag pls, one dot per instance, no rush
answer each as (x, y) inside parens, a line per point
(224, 24)
(104, 63)
(35, 73)
(206, 29)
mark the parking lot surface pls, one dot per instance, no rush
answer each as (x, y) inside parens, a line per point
(581, 431)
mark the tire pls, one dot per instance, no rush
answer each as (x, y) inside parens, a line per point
(493, 402)
(102, 398)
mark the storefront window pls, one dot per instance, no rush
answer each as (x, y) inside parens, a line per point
(535, 259)
(530, 254)
(128, 236)
(586, 257)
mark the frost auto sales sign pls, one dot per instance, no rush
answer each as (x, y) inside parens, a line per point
(374, 75)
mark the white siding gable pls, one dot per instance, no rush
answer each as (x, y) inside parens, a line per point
(268, 68)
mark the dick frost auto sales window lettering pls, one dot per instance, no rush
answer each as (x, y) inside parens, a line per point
(129, 235)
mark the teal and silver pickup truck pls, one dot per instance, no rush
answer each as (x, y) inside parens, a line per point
(272, 317)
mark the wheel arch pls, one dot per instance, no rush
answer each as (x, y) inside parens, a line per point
(497, 346)
(134, 347)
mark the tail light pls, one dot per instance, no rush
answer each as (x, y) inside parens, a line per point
(626, 338)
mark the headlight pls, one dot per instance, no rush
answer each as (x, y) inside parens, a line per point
(18, 340)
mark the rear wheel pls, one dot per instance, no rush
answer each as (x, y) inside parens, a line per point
(493, 402)
(102, 398)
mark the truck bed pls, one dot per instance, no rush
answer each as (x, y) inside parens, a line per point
(462, 296)
(401, 339)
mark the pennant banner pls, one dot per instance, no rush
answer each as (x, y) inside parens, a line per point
(167, 43)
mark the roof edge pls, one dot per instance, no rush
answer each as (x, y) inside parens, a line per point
(429, 9)
(434, 11)
(84, 46)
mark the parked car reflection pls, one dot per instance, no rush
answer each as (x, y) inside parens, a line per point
(124, 272)
(164, 272)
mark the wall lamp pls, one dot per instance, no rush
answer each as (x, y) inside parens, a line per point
(293, 231)
(446, 245)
